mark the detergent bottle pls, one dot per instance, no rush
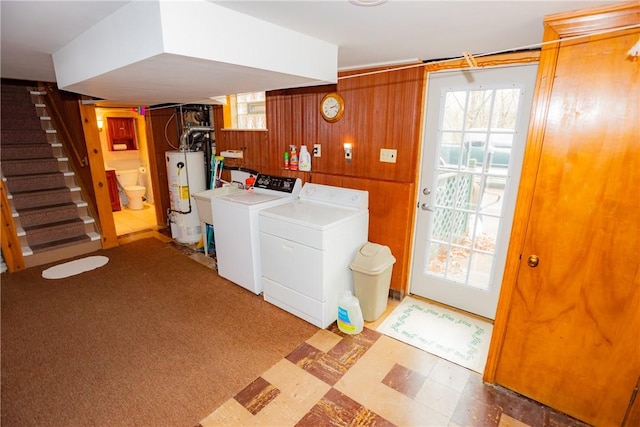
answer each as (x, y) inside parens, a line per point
(305, 159)
(248, 183)
(293, 159)
(350, 319)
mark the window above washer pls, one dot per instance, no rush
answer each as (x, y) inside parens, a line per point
(246, 111)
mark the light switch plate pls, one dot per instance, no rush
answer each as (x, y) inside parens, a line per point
(388, 155)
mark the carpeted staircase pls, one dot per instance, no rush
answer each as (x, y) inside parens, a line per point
(51, 218)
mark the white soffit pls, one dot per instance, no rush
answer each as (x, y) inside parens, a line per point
(163, 51)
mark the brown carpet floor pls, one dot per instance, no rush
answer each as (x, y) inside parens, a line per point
(151, 339)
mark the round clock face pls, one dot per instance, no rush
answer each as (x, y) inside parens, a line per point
(332, 107)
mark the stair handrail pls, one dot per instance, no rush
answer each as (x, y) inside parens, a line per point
(80, 160)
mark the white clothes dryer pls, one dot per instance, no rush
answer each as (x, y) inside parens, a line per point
(306, 247)
(236, 232)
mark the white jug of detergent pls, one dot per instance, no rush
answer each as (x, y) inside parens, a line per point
(304, 163)
(350, 319)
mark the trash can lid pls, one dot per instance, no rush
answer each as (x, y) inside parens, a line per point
(372, 258)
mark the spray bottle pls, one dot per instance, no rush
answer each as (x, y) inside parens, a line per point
(305, 159)
(293, 159)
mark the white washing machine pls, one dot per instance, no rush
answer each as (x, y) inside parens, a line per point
(236, 232)
(306, 247)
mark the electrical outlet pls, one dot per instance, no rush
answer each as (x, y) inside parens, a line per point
(388, 155)
(317, 152)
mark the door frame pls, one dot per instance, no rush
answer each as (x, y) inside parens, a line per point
(510, 58)
(556, 27)
(99, 175)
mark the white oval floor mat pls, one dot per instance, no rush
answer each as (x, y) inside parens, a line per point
(72, 268)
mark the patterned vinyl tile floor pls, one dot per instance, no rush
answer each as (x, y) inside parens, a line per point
(335, 379)
(370, 379)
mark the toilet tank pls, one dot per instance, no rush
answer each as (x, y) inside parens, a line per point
(127, 177)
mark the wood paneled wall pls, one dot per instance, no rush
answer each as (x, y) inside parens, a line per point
(382, 110)
(162, 136)
(253, 144)
(66, 117)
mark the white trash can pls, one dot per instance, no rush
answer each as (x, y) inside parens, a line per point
(372, 268)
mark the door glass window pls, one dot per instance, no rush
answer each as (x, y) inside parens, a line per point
(475, 127)
(474, 152)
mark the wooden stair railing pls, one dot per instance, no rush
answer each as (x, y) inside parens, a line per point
(61, 127)
(78, 161)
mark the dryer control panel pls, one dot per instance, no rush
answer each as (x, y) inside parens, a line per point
(337, 196)
(283, 184)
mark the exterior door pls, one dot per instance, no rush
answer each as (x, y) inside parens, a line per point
(475, 131)
(573, 318)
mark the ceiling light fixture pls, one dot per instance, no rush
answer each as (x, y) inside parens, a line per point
(367, 3)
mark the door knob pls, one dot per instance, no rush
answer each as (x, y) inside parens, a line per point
(426, 207)
(533, 261)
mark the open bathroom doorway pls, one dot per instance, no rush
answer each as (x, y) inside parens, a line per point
(125, 150)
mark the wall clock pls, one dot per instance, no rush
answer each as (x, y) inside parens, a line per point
(332, 107)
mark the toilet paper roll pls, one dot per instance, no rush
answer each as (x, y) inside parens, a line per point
(119, 147)
(142, 170)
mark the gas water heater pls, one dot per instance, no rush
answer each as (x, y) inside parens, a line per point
(186, 176)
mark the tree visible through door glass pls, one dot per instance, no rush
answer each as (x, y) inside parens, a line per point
(474, 149)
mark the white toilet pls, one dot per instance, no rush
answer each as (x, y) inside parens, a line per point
(128, 180)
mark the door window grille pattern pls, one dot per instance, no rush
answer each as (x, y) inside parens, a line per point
(475, 137)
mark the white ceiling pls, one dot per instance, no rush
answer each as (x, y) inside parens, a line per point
(394, 32)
